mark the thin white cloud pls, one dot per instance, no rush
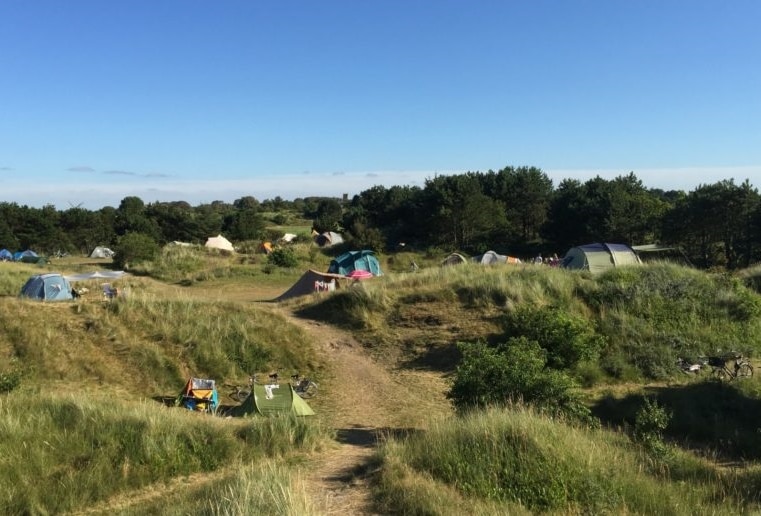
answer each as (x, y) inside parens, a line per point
(80, 169)
(119, 173)
(299, 185)
(6, 169)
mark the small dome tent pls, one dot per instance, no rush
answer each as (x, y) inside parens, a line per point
(27, 256)
(47, 287)
(5, 255)
(597, 258)
(355, 260)
(454, 259)
(273, 400)
(491, 258)
(328, 239)
(102, 252)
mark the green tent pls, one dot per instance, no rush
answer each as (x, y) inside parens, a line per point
(597, 258)
(274, 399)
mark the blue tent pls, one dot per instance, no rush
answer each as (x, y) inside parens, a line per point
(20, 255)
(355, 261)
(47, 287)
(5, 255)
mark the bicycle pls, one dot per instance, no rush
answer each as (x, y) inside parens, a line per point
(241, 393)
(303, 386)
(723, 369)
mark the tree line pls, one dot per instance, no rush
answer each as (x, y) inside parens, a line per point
(516, 210)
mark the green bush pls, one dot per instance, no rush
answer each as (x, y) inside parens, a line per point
(649, 423)
(513, 372)
(283, 257)
(134, 248)
(568, 339)
(9, 380)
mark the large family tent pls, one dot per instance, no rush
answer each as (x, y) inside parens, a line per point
(5, 255)
(454, 259)
(272, 400)
(219, 242)
(47, 287)
(102, 252)
(355, 260)
(312, 281)
(597, 258)
(491, 258)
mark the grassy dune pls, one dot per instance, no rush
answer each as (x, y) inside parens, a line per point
(648, 316)
(514, 461)
(82, 427)
(63, 452)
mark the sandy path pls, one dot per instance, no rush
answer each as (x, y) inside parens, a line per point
(363, 400)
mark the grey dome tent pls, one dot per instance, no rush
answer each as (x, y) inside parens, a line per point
(328, 239)
(102, 252)
(491, 258)
(597, 258)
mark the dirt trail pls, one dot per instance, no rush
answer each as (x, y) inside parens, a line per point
(364, 401)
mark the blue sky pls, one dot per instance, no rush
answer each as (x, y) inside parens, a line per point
(200, 100)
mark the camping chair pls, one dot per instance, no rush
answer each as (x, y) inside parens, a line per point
(109, 292)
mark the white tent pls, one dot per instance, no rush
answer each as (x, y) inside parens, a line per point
(102, 252)
(220, 242)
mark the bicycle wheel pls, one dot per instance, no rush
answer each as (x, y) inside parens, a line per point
(721, 374)
(745, 371)
(309, 391)
(240, 395)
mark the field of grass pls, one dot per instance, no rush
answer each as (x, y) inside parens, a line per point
(82, 384)
(515, 461)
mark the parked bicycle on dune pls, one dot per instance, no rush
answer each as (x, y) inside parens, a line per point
(730, 366)
(303, 386)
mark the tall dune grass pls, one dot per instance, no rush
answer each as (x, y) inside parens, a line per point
(518, 458)
(221, 339)
(266, 488)
(64, 452)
